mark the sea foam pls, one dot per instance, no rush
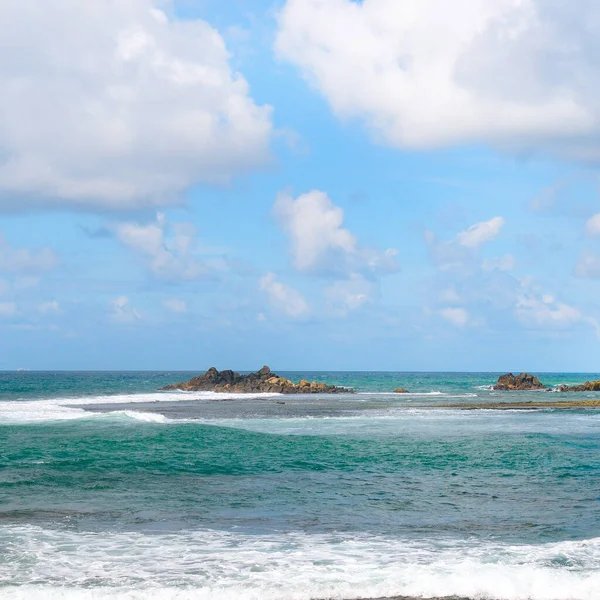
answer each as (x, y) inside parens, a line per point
(227, 566)
(61, 409)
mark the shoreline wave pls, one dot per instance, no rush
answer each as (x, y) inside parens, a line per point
(62, 409)
(72, 408)
(233, 566)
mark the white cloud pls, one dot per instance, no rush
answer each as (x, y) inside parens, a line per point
(349, 295)
(504, 263)
(459, 317)
(480, 233)
(449, 295)
(175, 305)
(320, 243)
(546, 313)
(548, 198)
(23, 260)
(8, 310)
(592, 225)
(168, 252)
(456, 252)
(48, 307)
(122, 311)
(425, 73)
(118, 105)
(26, 282)
(588, 265)
(284, 297)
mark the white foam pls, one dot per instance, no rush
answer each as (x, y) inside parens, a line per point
(61, 409)
(408, 394)
(432, 422)
(178, 396)
(37, 411)
(373, 423)
(395, 419)
(225, 566)
(146, 417)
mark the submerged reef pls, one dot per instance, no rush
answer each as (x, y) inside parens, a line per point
(527, 405)
(261, 381)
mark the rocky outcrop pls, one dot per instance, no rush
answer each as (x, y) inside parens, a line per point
(261, 381)
(518, 383)
(401, 390)
(588, 386)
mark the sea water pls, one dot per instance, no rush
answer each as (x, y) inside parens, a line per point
(112, 489)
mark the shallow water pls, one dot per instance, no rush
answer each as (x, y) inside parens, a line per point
(110, 489)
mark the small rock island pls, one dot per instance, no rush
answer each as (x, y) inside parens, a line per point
(261, 381)
(518, 383)
(588, 386)
(526, 382)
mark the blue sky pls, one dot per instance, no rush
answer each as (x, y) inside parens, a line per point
(312, 184)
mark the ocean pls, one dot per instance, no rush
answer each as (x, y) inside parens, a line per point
(110, 489)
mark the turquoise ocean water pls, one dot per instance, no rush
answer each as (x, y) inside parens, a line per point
(111, 489)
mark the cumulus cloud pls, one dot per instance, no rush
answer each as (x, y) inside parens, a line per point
(480, 233)
(283, 297)
(535, 312)
(456, 252)
(122, 312)
(175, 305)
(449, 295)
(469, 292)
(23, 260)
(46, 308)
(25, 282)
(8, 310)
(504, 263)
(592, 226)
(118, 105)
(548, 199)
(588, 265)
(459, 317)
(346, 296)
(424, 73)
(169, 252)
(319, 241)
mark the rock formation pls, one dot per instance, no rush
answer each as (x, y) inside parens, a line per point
(522, 382)
(401, 390)
(588, 386)
(261, 381)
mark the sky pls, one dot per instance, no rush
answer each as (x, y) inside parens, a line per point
(309, 184)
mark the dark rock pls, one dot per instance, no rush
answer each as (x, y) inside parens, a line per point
(522, 382)
(261, 381)
(588, 386)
